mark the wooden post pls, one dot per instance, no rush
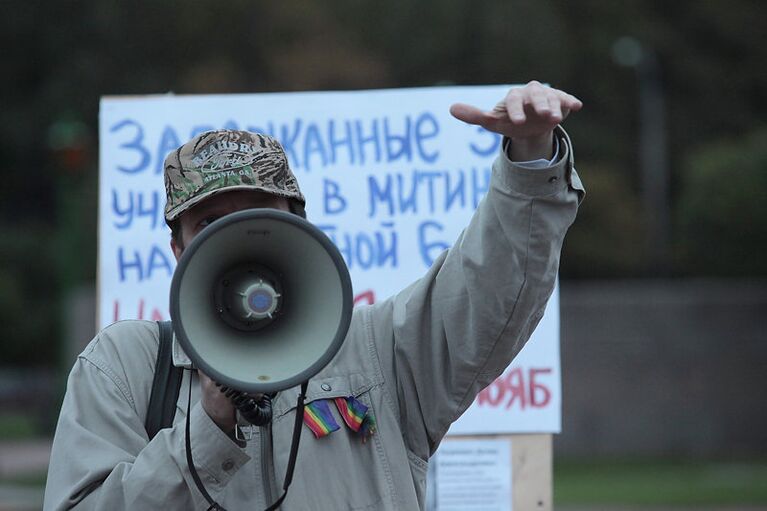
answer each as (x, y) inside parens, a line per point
(531, 469)
(532, 472)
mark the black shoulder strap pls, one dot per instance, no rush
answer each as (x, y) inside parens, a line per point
(165, 386)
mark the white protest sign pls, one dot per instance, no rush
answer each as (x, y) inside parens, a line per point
(389, 176)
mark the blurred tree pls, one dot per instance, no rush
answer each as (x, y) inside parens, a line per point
(28, 292)
(607, 241)
(722, 209)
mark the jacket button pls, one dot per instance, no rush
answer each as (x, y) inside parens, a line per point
(553, 179)
(227, 465)
(325, 387)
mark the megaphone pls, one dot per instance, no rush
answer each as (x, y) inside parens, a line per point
(261, 300)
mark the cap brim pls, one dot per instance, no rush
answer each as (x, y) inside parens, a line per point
(174, 213)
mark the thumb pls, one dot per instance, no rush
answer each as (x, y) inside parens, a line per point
(468, 114)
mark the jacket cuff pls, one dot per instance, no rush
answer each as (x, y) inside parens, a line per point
(213, 451)
(543, 181)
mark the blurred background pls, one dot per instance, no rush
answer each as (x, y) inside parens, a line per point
(664, 285)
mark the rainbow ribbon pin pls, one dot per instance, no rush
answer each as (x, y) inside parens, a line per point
(356, 416)
(352, 411)
(319, 418)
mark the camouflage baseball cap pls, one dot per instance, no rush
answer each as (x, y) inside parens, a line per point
(225, 160)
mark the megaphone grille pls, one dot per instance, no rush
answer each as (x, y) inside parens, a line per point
(314, 314)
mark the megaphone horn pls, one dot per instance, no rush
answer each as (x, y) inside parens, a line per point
(261, 300)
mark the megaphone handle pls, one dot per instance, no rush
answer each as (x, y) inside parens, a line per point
(293, 445)
(258, 413)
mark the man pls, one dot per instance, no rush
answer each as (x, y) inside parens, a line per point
(414, 362)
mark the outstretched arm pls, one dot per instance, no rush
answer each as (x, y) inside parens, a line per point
(451, 333)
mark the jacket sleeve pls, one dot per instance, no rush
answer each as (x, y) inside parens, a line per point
(101, 456)
(450, 334)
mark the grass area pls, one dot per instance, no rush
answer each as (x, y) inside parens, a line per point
(660, 483)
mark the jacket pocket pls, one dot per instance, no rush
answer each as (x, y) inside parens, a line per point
(338, 471)
(419, 469)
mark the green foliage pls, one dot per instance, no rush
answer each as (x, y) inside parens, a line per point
(18, 426)
(607, 239)
(28, 296)
(722, 210)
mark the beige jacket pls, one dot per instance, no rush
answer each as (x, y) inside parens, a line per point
(417, 360)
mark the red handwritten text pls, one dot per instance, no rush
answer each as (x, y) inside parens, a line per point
(513, 388)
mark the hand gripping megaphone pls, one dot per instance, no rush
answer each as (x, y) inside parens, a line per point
(261, 300)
